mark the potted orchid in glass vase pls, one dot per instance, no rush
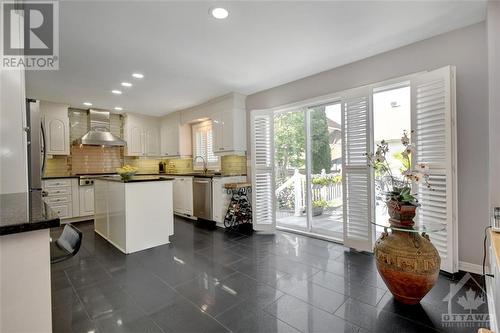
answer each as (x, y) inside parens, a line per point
(401, 202)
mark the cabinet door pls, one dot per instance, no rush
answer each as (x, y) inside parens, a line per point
(134, 141)
(170, 139)
(217, 200)
(218, 132)
(57, 135)
(227, 131)
(178, 195)
(187, 199)
(86, 200)
(152, 144)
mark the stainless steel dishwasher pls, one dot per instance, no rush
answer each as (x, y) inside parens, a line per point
(202, 198)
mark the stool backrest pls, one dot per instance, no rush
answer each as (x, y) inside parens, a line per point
(70, 239)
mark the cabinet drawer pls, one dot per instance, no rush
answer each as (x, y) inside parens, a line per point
(58, 199)
(51, 183)
(58, 191)
(63, 210)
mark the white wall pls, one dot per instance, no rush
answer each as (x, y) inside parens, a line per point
(493, 25)
(466, 49)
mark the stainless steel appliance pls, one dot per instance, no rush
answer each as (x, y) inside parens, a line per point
(99, 133)
(37, 156)
(86, 181)
(202, 198)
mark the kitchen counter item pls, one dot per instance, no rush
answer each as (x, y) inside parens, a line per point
(23, 212)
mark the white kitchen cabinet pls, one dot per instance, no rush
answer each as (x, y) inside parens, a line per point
(175, 138)
(220, 197)
(142, 134)
(229, 125)
(86, 200)
(56, 126)
(62, 196)
(183, 195)
(152, 141)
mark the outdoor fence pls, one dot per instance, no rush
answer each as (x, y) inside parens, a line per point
(328, 192)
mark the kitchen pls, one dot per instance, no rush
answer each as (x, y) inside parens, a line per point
(153, 145)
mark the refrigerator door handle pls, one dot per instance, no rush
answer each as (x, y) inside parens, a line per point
(43, 148)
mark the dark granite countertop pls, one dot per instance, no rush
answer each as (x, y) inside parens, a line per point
(23, 212)
(187, 174)
(135, 179)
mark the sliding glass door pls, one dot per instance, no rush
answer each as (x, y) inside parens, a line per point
(290, 169)
(308, 170)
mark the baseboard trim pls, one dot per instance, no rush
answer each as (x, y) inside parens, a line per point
(472, 268)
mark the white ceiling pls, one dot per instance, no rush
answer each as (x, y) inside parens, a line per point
(188, 57)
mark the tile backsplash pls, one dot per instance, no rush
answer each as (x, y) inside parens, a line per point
(95, 159)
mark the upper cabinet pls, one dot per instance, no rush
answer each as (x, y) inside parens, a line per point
(175, 138)
(142, 134)
(228, 115)
(56, 128)
(229, 125)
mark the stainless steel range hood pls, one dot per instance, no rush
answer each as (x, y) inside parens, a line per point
(99, 134)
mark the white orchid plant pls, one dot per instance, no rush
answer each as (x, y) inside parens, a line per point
(399, 187)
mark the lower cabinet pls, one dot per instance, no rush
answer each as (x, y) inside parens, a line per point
(68, 199)
(86, 194)
(183, 195)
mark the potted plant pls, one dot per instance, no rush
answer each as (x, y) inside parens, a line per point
(400, 201)
(407, 261)
(318, 206)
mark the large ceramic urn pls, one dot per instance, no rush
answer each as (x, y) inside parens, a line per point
(407, 261)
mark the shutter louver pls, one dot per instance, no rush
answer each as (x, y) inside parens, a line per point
(262, 126)
(357, 175)
(434, 136)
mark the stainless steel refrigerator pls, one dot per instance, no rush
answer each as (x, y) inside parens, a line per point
(36, 145)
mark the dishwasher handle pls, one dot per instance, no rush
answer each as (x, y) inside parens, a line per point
(199, 181)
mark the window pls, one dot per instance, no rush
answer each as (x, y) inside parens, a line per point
(202, 146)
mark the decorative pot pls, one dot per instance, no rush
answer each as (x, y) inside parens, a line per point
(407, 261)
(401, 214)
(317, 211)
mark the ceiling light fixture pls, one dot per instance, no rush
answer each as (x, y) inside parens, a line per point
(137, 75)
(219, 13)
(116, 92)
(126, 84)
(87, 103)
(118, 108)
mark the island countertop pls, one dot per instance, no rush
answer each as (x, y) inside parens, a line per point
(23, 212)
(136, 179)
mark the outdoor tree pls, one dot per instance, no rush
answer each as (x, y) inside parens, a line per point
(290, 141)
(321, 152)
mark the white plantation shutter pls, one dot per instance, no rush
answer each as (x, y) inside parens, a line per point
(357, 175)
(203, 146)
(433, 121)
(263, 200)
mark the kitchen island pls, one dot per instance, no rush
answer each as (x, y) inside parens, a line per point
(135, 214)
(25, 301)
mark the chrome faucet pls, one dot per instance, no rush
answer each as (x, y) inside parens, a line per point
(204, 163)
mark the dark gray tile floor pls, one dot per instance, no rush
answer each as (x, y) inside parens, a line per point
(216, 281)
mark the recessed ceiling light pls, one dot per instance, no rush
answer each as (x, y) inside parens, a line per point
(116, 92)
(138, 75)
(219, 13)
(117, 108)
(87, 103)
(126, 84)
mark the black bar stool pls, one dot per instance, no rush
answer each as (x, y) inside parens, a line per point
(67, 245)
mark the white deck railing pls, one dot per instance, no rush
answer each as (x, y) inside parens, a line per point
(328, 192)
